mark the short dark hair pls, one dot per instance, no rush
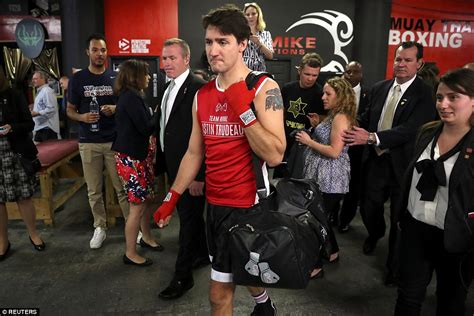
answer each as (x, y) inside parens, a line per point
(460, 80)
(95, 36)
(409, 44)
(131, 75)
(230, 20)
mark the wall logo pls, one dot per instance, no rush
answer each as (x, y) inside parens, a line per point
(339, 27)
(124, 45)
(134, 46)
(30, 37)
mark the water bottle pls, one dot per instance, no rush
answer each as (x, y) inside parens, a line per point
(94, 108)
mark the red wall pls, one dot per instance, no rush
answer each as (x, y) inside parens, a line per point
(135, 29)
(445, 28)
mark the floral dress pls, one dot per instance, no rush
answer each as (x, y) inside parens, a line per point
(332, 175)
(137, 176)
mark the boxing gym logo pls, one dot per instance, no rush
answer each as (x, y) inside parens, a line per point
(337, 24)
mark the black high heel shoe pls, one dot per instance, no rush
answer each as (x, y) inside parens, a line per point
(39, 247)
(146, 245)
(5, 254)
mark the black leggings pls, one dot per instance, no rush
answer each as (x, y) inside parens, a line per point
(331, 203)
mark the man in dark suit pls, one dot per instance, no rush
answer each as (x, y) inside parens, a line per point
(353, 73)
(174, 130)
(397, 108)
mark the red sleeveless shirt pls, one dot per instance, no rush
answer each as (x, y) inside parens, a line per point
(230, 179)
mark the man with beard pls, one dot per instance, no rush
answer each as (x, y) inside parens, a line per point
(95, 85)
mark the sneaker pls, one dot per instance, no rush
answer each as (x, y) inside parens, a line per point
(264, 309)
(98, 238)
(139, 237)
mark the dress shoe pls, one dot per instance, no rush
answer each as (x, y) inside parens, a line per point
(201, 262)
(391, 279)
(318, 275)
(343, 229)
(39, 247)
(5, 254)
(176, 289)
(369, 246)
(148, 262)
(156, 248)
(335, 259)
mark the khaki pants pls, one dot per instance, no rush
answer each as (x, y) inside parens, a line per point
(94, 156)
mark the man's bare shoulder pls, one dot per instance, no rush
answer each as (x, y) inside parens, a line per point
(270, 94)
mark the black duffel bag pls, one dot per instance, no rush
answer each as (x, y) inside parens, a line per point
(279, 241)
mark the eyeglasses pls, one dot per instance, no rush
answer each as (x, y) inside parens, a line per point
(248, 4)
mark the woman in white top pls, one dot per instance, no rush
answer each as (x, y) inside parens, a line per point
(260, 46)
(437, 213)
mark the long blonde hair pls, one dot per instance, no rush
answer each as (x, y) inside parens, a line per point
(261, 25)
(345, 99)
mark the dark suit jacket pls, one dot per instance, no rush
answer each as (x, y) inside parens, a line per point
(15, 112)
(134, 125)
(415, 108)
(178, 129)
(363, 101)
(458, 227)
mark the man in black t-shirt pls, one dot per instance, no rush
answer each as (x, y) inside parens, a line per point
(95, 84)
(302, 101)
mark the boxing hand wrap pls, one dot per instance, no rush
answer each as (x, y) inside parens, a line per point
(167, 207)
(239, 99)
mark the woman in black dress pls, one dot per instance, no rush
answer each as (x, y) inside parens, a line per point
(16, 185)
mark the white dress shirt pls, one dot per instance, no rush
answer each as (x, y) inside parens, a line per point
(357, 90)
(403, 88)
(178, 82)
(46, 105)
(431, 212)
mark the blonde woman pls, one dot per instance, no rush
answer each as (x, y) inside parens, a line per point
(327, 159)
(260, 45)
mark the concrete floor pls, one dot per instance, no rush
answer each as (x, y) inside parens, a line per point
(71, 279)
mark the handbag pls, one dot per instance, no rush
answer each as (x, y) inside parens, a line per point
(31, 166)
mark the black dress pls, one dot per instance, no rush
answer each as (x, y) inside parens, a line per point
(15, 184)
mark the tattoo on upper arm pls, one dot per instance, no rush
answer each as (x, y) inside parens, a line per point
(274, 100)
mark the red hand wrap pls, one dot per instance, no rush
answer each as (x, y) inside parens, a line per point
(167, 207)
(239, 98)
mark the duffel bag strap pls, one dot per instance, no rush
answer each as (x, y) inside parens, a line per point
(257, 168)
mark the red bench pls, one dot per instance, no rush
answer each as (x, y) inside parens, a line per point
(59, 178)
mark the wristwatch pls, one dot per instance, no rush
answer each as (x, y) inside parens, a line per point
(371, 139)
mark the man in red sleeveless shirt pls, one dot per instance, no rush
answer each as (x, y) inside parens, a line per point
(226, 132)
